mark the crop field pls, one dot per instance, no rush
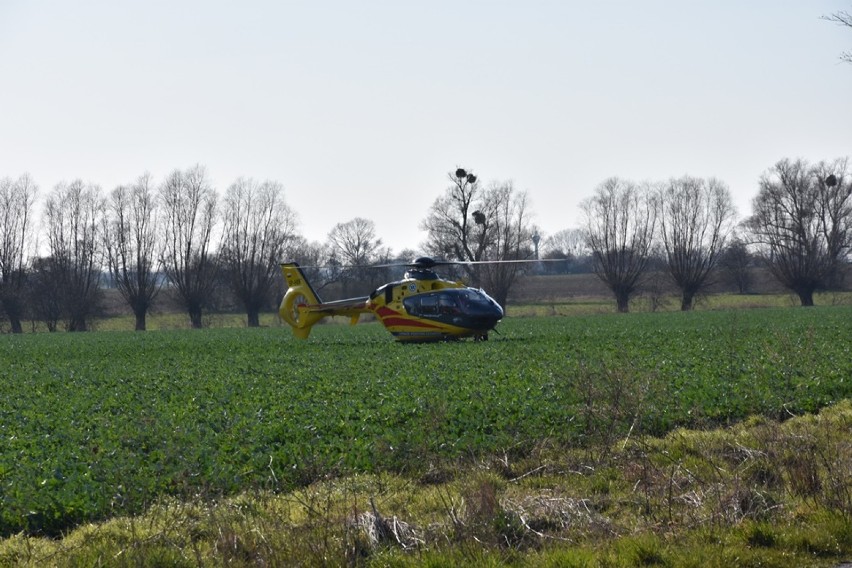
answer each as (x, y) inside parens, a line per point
(99, 425)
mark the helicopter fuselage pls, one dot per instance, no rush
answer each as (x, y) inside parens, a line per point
(420, 307)
(424, 307)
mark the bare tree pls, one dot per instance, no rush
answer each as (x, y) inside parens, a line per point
(74, 218)
(802, 223)
(45, 293)
(508, 216)
(132, 246)
(188, 204)
(695, 218)
(353, 245)
(315, 258)
(842, 18)
(469, 223)
(834, 186)
(566, 243)
(569, 245)
(736, 262)
(16, 244)
(258, 227)
(460, 222)
(355, 241)
(619, 225)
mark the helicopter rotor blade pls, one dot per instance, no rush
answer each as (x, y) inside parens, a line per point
(429, 263)
(510, 261)
(325, 266)
(391, 265)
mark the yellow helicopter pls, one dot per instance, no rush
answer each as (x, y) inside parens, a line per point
(420, 307)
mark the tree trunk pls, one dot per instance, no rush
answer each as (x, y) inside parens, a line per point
(15, 323)
(13, 312)
(195, 318)
(622, 301)
(140, 319)
(77, 323)
(686, 301)
(253, 316)
(806, 296)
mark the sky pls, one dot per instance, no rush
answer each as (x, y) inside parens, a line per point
(361, 109)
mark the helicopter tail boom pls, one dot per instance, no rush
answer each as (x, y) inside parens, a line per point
(302, 307)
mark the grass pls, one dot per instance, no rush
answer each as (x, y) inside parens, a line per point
(580, 305)
(176, 321)
(586, 440)
(591, 305)
(722, 497)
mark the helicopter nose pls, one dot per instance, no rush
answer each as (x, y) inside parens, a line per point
(490, 317)
(497, 314)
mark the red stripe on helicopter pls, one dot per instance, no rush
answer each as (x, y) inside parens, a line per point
(392, 317)
(408, 322)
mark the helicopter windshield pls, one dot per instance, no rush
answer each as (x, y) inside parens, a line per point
(454, 302)
(475, 297)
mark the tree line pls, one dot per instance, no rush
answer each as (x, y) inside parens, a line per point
(141, 237)
(800, 229)
(179, 233)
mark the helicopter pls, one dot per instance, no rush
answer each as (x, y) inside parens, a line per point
(422, 307)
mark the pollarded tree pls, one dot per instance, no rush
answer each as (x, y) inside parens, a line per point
(619, 225)
(74, 215)
(132, 245)
(258, 226)
(802, 223)
(695, 218)
(16, 243)
(188, 204)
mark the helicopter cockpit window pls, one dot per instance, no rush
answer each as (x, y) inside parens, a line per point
(447, 305)
(428, 305)
(472, 297)
(422, 305)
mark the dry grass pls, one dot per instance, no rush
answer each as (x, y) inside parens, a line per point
(772, 493)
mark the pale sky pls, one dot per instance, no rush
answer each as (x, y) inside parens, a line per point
(360, 109)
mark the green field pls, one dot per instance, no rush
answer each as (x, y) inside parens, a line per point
(103, 424)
